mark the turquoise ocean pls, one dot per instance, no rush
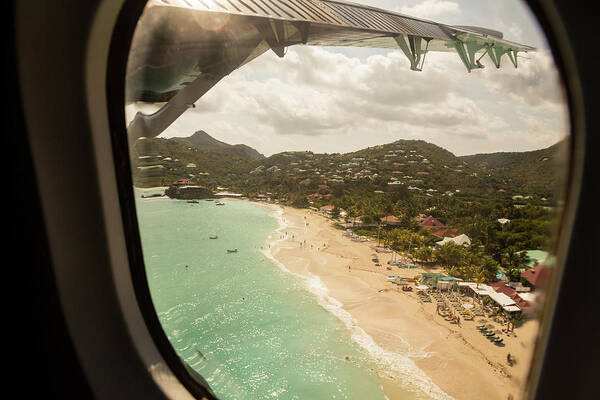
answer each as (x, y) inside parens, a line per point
(243, 322)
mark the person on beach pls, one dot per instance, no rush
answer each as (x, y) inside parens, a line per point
(509, 359)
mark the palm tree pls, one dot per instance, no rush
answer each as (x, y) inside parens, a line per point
(480, 277)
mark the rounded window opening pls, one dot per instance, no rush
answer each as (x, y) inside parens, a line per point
(343, 200)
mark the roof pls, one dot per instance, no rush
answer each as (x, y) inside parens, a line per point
(536, 257)
(460, 240)
(450, 232)
(501, 287)
(431, 222)
(432, 275)
(538, 276)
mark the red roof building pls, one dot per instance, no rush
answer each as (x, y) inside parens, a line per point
(501, 287)
(431, 222)
(450, 232)
(538, 276)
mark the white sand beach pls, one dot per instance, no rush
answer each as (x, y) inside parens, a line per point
(412, 344)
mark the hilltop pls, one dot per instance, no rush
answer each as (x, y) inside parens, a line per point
(204, 141)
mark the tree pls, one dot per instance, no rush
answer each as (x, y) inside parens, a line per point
(424, 254)
(335, 213)
(403, 239)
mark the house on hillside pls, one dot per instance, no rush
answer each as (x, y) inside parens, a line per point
(461, 240)
(430, 222)
(449, 232)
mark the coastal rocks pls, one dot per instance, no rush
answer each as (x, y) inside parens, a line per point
(189, 192)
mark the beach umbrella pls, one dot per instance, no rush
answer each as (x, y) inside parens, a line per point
(422, 287)
(467, 305)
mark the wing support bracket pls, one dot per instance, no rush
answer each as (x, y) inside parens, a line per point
(467, 50)
(411, 47)
(499, 51)
(273, 33)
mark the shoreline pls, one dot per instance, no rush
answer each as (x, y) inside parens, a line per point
(416, 350)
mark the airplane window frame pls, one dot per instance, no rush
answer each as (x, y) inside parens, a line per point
(83, 15)
(559, 48)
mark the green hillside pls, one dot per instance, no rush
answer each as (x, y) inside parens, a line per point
(540, 172)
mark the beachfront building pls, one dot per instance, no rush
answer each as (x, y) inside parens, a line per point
(538, 276)
(228, 194)
(500, 299)
(439, 281)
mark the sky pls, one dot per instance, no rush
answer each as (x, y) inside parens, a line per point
(337, 100)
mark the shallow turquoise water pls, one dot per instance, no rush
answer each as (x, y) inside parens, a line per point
(249, 328)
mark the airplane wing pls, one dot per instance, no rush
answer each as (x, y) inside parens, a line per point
(182, 48)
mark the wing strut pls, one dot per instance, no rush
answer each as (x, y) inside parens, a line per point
(412, 50)
(499, 51)
(467, 50)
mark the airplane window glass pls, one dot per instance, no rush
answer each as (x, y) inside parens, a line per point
(349, 200)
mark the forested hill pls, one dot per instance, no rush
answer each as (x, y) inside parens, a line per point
(536, 170)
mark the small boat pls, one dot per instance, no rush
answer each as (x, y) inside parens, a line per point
(213, 237)
(232, 250)
(193, 201)
(209, 200)
(220, 203)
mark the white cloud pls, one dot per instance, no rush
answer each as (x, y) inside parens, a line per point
(432, 9)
